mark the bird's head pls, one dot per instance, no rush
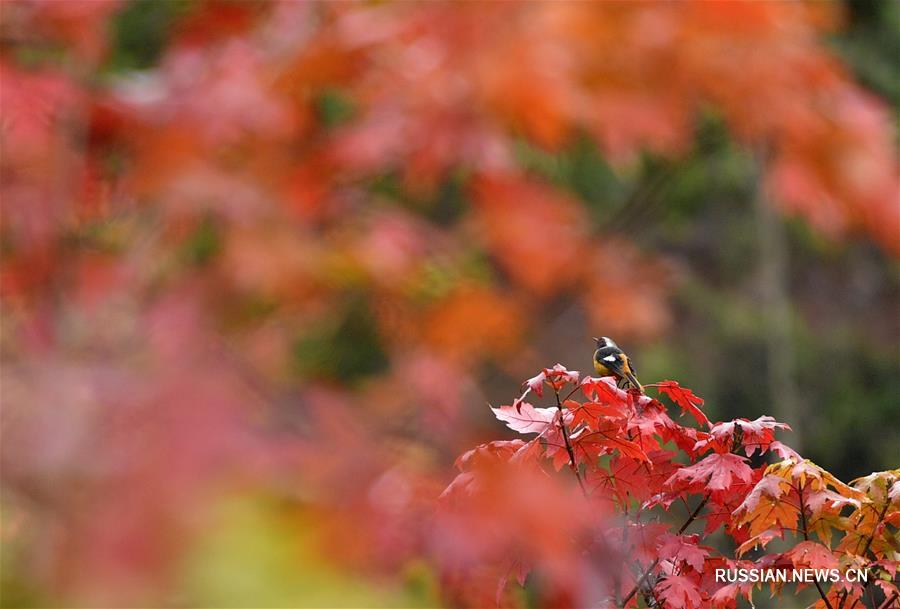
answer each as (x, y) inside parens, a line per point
(604, 341)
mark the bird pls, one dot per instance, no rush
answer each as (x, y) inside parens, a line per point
(610, 360)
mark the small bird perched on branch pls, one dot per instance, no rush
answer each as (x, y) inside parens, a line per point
(610, 360)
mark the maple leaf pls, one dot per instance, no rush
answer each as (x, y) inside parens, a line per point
(536, 383)
(774, 504)
(483, 457)
(683, 548)
(757, 435)
(642, 539)
(813, 555)
(590, 413)
(679, 592)
(652, 420)
(525, 418)
(807, 473)
(460, 485)
(556, 377)
(881, 487)
(498, 450)
(715, 472)
(559, 375)
(605, 438)
(761, 540)
(890, 566)
(628, 478)
(784, 451)
(603, 389)
(726, 596)
(763, 508)
(879, 508)
(818, 500)
(889, 590)
(771, 487)
(685, 398)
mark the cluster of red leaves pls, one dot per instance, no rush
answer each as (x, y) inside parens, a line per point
(629, 455)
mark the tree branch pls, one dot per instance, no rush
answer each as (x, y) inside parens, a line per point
(871, 538)
(887, 602)
(643, 578)
(806, 538)
(565, 433)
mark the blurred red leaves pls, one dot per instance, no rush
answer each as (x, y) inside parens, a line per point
(502, 515)
(473, 322)
(171, 235)
(537, 234)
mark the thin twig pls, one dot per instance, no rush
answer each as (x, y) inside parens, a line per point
(571, 393)
(887, 602)
(806, 538)
(643, 578)
(565, 433)
(871, 538)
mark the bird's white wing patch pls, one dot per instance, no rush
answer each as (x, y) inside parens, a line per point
(609, 358)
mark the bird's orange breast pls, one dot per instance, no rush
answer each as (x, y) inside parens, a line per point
(601, 369)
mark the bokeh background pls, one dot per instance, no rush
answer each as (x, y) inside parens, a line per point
(265, 264)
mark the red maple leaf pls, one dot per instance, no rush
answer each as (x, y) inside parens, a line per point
(491, 452)
(715, 472)
(603, 389)
(631, 479)
(525, 418)
(784, 451)
(726, 596)
(683, 548)
(685, 398)
(559, 375)
(556, 377)
(591, 413)
(679, 592)
(757, 435)
(604, 438)
(536, 383)
(813, 555)
(642, 539)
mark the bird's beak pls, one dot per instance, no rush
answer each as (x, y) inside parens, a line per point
(596, 340)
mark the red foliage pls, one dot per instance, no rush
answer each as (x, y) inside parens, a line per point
(616, 453)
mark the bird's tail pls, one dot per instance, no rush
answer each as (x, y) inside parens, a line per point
(633, 381)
